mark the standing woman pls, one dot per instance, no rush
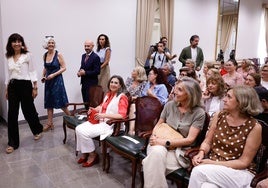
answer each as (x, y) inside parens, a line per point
(21, 81)
(55, 94)
(104, 52)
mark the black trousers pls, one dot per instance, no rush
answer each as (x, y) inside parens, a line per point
(85, 95)
(20, 93)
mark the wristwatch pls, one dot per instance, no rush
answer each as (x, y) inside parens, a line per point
(167, 144)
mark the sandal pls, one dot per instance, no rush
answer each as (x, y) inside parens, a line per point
(48, 126)
(37, 136)
(9, 149)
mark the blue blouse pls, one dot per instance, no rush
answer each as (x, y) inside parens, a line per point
(160, 91)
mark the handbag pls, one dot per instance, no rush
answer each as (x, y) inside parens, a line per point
(91, 117)
(167, 132)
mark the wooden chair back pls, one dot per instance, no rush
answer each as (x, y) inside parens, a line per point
(148, 110)
(96, 95)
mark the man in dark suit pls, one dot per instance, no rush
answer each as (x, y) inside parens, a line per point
(192, 52)
(89, 70)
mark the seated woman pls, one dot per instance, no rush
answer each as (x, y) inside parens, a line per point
(183, 114)
(203, 77)
(114, 106)
(232, 78)
(246, 68)
(214, 94)
(155, 87)
(231, 143)
(134, 86)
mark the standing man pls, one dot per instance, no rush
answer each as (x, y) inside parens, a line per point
(164, 41)
(89, 70)
(159, 57)
(193, 52)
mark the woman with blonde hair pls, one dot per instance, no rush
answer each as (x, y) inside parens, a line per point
(214, 94)
(135, 85)
(55, 93)
(246, 68)
(225, 157)
(185, 115)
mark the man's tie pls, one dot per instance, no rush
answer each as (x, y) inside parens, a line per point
(87, 56)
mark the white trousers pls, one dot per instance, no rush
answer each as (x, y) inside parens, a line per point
(85, 133)
(158, 163)
(218, 176)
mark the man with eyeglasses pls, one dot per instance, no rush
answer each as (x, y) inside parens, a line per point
(193, 52)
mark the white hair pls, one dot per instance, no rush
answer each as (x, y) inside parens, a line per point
(47, 39)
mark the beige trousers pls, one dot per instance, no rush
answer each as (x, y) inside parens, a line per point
(158, 163)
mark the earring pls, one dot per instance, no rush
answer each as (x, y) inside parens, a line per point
(22, 47)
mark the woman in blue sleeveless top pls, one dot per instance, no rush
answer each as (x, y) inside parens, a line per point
(55, 94)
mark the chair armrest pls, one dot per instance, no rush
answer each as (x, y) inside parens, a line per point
(74, 108)
(145, 134)
(82, 112)
(115, 121)
(258, 177)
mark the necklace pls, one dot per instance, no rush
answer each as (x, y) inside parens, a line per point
(16, 57)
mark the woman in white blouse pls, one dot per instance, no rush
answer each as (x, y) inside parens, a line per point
(21, 81)
(213, 96)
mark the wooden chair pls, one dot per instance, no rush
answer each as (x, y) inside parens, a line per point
(96, 95)
(261, 157)
(148, 111)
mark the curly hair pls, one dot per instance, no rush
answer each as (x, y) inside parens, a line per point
(107, 42)
(218, 80)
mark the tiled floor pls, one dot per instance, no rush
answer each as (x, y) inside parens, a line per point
(48, 163)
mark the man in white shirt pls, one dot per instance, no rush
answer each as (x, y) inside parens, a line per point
(159, 57)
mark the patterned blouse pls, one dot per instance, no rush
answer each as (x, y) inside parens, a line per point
(134, 91)
(228, 142)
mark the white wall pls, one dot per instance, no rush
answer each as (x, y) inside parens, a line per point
(72, 22)
(248, 28)
(195, 17)
(3, 102)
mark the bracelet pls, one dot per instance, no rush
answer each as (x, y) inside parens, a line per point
(203, 151)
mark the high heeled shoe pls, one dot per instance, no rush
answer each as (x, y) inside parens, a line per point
(91, 163)
(82, 160)
(48, 127)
